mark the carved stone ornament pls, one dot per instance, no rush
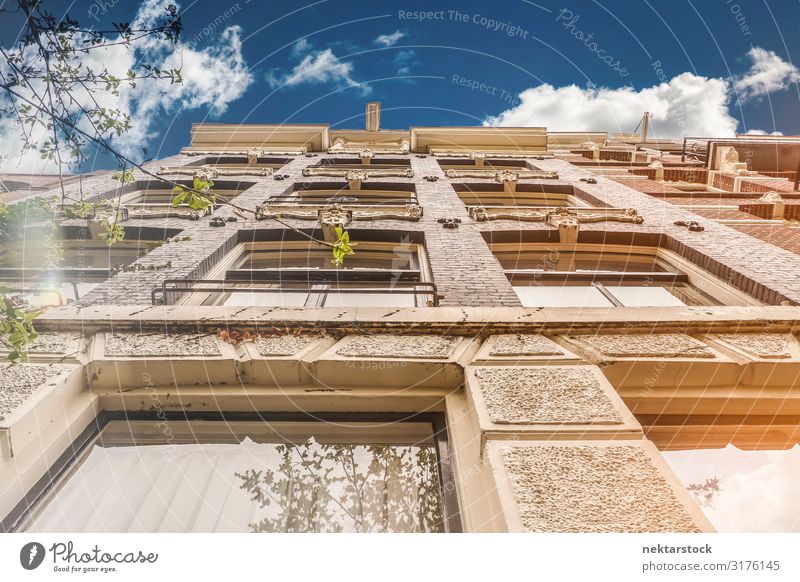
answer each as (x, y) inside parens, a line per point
(355, 177)
(728, 158)
(502, 176)
(411, 212)
(376, 173)
(209, 173)
(252, 156)
(771, 198)
(555, 216)
(332, 217)
(488, 155)
(341, 145)
(479, 158)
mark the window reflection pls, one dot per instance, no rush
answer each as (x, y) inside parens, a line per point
(250, 477)
(743, 490)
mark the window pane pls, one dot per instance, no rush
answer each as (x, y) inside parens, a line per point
(742, 491)
(369, 300)
(556, 260)
(651, 296)
(562, 296)
(270, 477)
(283, 299)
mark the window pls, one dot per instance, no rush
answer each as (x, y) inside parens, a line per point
(587, 275)
(162, 198)
(285, 472)
(526, 195)
(240, 163)
(301, 274)
(488, 164)
(81, 267)
(324, 193)
(742, 472)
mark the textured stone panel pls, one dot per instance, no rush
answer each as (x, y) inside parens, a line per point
(658, 345)
(585, 488)
(761, 345)
(50, 343)
(282, 345)
(400, 346)
(546, 395)
(160, 345)
(18, 383)
(524, 345)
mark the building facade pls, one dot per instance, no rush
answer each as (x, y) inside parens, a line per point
(536, 331)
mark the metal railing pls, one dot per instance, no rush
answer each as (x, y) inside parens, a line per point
(171, 289)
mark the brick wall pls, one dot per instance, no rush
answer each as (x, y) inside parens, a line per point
(462, 265)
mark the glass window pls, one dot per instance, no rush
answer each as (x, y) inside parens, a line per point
(81, 265)
(742, 490)
(562, 296)
(595, 276)
(367, 195)
(242, 476)
(641, 296)
(301, 274)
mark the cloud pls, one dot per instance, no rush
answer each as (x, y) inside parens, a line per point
(768, 74)
(762, 132)
(404, 60)
(316, 67)
(389, 39)
(687, 104)
(213, 78)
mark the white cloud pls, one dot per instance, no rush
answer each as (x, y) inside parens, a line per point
(762, 132)
(389, 39)
(768, 73)
(212, 78)
(318, 67)
(687, 104)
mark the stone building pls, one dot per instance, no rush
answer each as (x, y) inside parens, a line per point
(537, 331)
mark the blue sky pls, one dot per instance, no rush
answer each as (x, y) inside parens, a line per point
(702, 66)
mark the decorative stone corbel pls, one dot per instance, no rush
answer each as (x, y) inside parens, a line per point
(338, 145)
(366, 156)
(332, 217)
(355, 178)
(592, 147)
(728, 160)
(405, 146)
(508, 179)
(479, 158)
(478, 213)
(568, 231)
(252, 156)
(778, 205)
(658, 166)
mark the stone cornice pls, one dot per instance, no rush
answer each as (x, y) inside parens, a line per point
(450, 320)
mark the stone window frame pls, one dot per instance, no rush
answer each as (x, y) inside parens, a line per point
(381, 194)
(74, 454)
(236, 161)
(533, 195)
(424, 293)
(698, 278)
(385, 162)
(490, 164)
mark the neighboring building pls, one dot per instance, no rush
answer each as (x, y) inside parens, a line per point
(537, 331)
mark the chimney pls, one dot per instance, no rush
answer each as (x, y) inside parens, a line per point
(373, 116)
